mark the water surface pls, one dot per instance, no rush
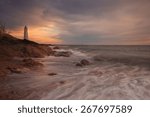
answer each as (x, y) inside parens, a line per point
(115, 72)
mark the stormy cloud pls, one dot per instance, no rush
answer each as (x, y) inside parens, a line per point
(81, 21)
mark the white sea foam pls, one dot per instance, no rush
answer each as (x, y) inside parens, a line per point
(100, 80)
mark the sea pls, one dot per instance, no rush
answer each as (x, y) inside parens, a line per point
(115, 73)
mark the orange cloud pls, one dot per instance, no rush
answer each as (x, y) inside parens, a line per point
(40, 34)
(140, 41)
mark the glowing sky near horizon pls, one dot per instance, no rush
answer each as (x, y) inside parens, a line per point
(103, 22)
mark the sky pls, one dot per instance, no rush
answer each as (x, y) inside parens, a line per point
(91, 22)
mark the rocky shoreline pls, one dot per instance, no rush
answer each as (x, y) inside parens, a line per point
(21, 56)
(17, 56)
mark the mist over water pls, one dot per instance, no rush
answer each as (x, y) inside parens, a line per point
(115, 72)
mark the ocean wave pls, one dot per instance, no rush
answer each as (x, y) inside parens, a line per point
(111, 75)
(128, 60)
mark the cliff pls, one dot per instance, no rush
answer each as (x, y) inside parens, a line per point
(11, 48)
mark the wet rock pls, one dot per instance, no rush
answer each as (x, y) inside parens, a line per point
(52, 74)
(62, 82)
(62, 54)
(53, 53)
(84, 62)
(31, 63)
(56, 47)
(15, 70)
(79, 64)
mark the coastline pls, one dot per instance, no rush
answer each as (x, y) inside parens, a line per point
(65, 72)
(21, 56)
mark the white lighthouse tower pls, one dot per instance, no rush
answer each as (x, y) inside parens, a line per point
(25, 33)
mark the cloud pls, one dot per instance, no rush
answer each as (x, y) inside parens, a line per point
(81, 21)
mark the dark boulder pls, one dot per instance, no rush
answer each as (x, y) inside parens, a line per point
(84, 62)
(62, 82)
(79, 65)
(15, 70)
(52, 74)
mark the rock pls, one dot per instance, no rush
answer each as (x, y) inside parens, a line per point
(79, 64)
(36, 51)
(84, 62)
(12, 47)
(31, 63)
(56, 47)
(15, 70)
(62, 54)
(62, 82)
(53, 53)
(52, 74)
(27, 60)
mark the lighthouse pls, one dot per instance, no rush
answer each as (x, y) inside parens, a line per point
(25, 33)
